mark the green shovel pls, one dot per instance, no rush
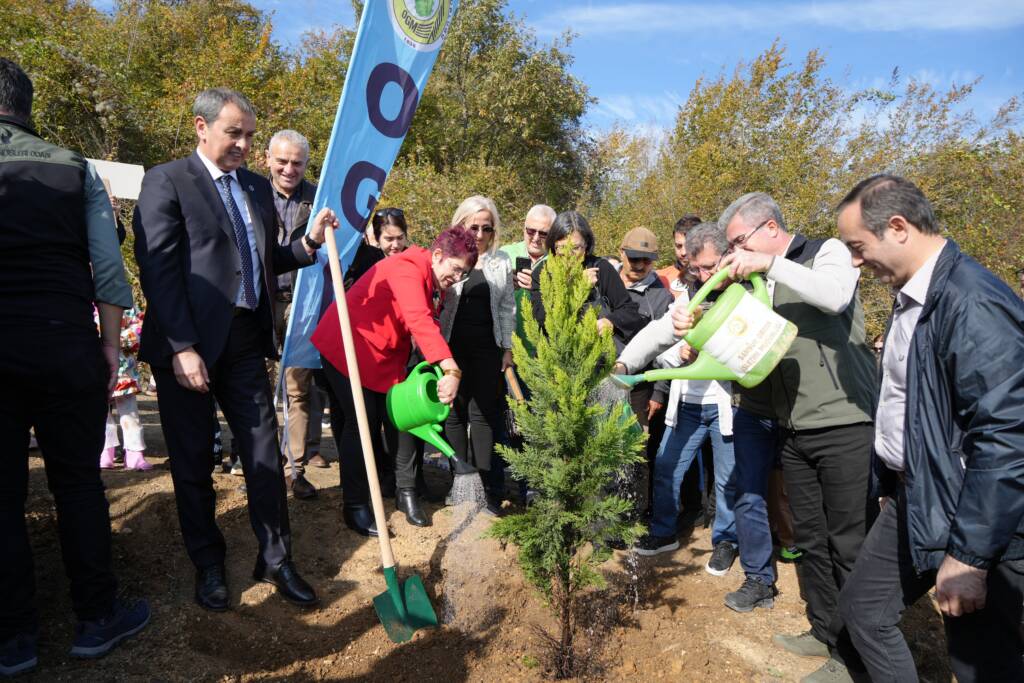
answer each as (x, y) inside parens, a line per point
(403, 607)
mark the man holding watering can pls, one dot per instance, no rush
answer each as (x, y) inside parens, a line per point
(822, 397)
(949, 446)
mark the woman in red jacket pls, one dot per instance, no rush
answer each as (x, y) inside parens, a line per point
(389, 307)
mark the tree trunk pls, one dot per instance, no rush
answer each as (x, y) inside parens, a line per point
(566, 658)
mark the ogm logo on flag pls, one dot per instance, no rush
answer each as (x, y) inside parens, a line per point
(421, 24)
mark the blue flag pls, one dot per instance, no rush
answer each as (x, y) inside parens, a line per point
(395, 49)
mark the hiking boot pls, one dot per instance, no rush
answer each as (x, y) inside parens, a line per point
(832, 671)
(790, 553)
(722, 558)
(751, 594)
(804, 644)
(98, 637)
(649, 545)
(18, 655)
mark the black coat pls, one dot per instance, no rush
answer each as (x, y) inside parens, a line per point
(964, 431)
(610, 296)
(189, 265)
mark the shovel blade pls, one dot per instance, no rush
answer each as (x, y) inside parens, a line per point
(405, 608)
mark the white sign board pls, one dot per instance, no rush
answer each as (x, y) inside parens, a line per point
(125, 179)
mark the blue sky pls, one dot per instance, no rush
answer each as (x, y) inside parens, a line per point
(640, 59)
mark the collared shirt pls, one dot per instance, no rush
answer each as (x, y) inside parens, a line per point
(104, 253)
(891, 414)
(287, 210)
(243, 208)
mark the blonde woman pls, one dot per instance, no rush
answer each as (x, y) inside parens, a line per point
(478, 319)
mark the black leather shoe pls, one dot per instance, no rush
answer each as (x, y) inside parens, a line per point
(359, 518)
(290, 585)
(408, 502)
(301, 488)
(212, 588)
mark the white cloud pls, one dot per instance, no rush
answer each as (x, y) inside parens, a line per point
(871, 15)
(639, 109)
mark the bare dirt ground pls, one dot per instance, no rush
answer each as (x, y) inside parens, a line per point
(670, 624)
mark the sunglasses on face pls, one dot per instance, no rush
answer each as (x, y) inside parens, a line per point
(480, 228)
(531, 233)
(391, 211)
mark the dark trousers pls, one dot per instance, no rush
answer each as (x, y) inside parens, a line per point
(239, 382)
(826, 473)
(55, 381)
(476, 404)
(354, 487)
(983, 646)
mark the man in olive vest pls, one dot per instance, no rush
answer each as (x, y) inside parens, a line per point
(822, 396)
(58, 256)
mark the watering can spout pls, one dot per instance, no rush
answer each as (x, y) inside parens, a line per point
(431, 434)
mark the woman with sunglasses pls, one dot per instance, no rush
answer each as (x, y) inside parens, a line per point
(386, 235)
(391, 306)
(478, 319)
(618, 313)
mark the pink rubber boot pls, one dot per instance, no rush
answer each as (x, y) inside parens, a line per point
(107, 459)
(134, 460)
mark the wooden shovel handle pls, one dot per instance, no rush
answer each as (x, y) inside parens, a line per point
(387, 557)
(513, 384)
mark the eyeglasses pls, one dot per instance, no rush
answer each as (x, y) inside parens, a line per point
(742, 239)
(531, 233)
(390, 211)
(696, 270)
(480, 228)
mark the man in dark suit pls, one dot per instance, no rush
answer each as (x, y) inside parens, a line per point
(207, 255)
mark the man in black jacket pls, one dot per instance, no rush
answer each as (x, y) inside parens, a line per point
(58, 256)
(287, 158)
(949, 445)
(207, 255)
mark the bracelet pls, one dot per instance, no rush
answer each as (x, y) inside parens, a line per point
(309, 242)
(454, 372)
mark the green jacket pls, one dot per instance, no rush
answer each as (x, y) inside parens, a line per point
(828, 376)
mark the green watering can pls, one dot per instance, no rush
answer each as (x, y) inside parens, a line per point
(413, 406)
(740, 338)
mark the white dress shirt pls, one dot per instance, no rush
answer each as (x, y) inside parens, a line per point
(892, 401)
(243, 208)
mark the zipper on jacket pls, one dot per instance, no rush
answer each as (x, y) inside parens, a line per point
(828, 366)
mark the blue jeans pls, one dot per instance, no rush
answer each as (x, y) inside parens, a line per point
(756, 451)
(680, 445)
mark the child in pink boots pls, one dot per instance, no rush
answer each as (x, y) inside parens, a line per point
(128, 385)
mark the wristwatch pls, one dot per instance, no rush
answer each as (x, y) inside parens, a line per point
(311, 243)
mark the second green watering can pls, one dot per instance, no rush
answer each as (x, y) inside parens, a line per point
(740, 338)
(413, 406)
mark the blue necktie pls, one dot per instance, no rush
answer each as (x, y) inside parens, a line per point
(241, 241)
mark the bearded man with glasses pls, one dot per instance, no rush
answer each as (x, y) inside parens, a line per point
(821, 397)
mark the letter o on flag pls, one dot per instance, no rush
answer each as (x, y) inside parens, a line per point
(381, 75)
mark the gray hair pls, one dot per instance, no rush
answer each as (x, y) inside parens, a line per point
(704, 235)
(754, 208)
(211, 101)
(292, 137)
(543, 212)
(883, 196)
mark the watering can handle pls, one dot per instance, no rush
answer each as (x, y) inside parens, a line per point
(760, 290)
(429, 368)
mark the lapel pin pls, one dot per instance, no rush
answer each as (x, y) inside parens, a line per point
(252, 189)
